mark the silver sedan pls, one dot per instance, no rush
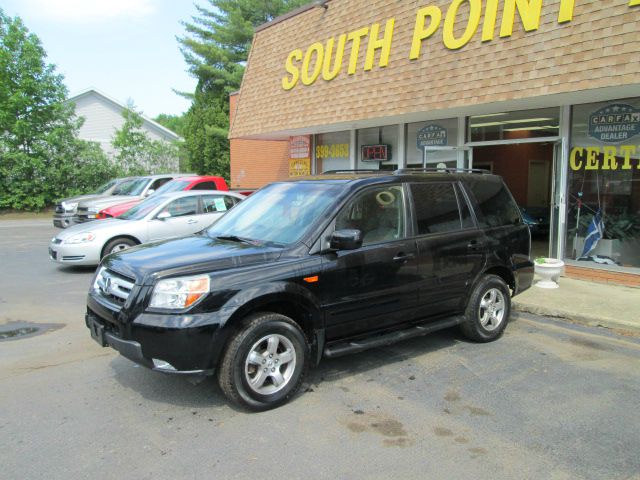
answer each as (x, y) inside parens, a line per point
(163, 216)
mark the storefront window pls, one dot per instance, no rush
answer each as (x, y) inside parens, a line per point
(332, 151)
(434, 135)
(513, 125)
(603, 221)
(379, 143)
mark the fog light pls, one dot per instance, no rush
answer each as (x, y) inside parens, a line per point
(162, 365)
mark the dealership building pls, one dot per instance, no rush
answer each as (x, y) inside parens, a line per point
(545, 93)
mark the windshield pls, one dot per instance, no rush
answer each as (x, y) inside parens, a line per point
(131, 187)
(103, 188)
(143, 209)
(172, 186)
(280, 213)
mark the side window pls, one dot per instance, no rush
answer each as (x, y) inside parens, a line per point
(217, 203)
(436, 207)
(182, 206)
(159, 182)
(377, 212)
(496, 206)
(205, 186)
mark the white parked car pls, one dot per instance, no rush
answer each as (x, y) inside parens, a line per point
(168, 215)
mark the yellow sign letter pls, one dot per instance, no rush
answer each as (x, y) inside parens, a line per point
(490, 13)
(420, 32)
(566, 11)
(355, 37)
(592, 158)
(289, 83)
(383, 44)
(450, 41)
(529, 12)
(318, 49)
(575, 162)
(627, 151)
(329, 73)
(610, 162)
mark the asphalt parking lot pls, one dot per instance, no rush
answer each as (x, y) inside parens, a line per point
(548, 400)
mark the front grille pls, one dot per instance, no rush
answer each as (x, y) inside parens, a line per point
(113, 286)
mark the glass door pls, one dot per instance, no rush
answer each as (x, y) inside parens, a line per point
(557, 220)
(447, 157)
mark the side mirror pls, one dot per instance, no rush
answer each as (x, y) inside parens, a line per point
(149, 192)
(347, 239)
(163, 215)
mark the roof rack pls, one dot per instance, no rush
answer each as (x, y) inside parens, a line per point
(435, 169)
(370, 170)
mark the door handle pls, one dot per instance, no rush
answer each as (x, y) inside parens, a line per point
(403, 257)
(474, 245)
(192, 221)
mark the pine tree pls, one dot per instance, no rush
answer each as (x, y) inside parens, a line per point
(216, 48)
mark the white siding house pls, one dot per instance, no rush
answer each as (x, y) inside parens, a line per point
(103, 116)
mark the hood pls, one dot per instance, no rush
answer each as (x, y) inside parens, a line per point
(79, 198)
(187, 256)
(95, 227)
(108, 201)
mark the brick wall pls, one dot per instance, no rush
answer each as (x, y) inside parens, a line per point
(255, 163)
(600, 47)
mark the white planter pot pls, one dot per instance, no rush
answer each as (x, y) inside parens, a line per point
(550, 272)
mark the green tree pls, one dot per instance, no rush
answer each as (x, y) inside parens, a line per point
(38, 128)
(136, 153)
(175, 123)
(216, 47)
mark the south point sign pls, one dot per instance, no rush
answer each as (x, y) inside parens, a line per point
(327, 59)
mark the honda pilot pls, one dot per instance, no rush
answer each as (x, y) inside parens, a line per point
(316, 267)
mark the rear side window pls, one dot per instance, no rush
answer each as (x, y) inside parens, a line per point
(436, 207)
(217, 203)
(205, 186)
(495, 203)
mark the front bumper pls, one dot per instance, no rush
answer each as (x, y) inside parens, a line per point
(63, 220)
(169, 343)
(76, 254)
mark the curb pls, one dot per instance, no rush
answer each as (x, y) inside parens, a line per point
(582, 319)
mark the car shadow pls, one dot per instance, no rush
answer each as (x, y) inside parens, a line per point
(333, 370)
(76, 269)
(205, 393)
(176, 390)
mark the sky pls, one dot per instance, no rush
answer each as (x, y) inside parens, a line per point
(125, 48)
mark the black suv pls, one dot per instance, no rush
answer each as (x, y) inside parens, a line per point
(320, 266)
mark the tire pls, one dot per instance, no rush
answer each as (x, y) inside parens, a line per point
(117, 245)
(488, 310)
(265, 362)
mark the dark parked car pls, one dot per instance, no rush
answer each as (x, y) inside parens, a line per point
(316, 267)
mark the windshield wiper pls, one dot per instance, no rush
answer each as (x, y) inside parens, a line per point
(235, 238)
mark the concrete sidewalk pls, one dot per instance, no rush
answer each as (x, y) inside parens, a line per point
(590, 303)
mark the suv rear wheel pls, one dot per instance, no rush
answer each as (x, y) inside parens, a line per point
(265, 362)
(488, 310)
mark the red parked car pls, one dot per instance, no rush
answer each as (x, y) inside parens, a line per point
(205, 182)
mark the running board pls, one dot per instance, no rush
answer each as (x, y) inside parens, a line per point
(353, 346)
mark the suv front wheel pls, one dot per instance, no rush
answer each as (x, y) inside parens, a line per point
(488, 310)
(265, 362)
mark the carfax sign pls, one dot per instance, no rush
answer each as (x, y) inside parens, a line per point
(614, 123)
(431, 136)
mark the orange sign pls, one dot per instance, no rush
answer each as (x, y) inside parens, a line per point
(299, 167)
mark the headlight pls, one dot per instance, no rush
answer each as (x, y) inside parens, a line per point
(85, 237)
(69, 207)
(178, 293)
